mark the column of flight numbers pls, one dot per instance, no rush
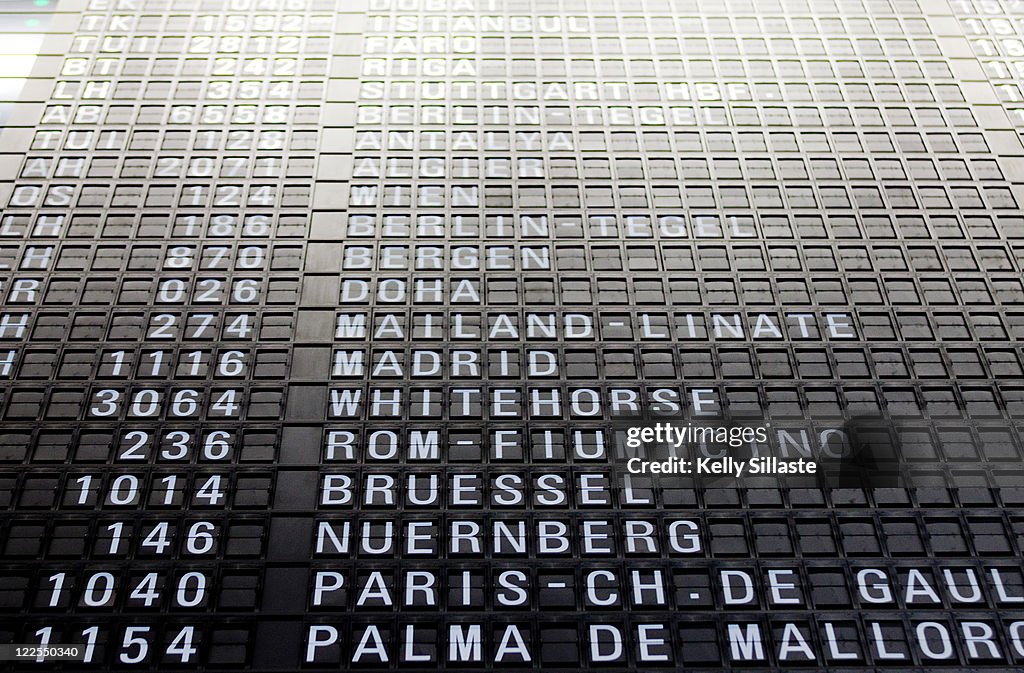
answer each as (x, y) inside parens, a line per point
(167, 185)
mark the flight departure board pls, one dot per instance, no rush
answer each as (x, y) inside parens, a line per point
(541, 335)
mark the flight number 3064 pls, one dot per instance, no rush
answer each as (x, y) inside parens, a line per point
(153, 403)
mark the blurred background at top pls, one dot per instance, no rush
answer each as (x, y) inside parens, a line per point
(23, 25)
